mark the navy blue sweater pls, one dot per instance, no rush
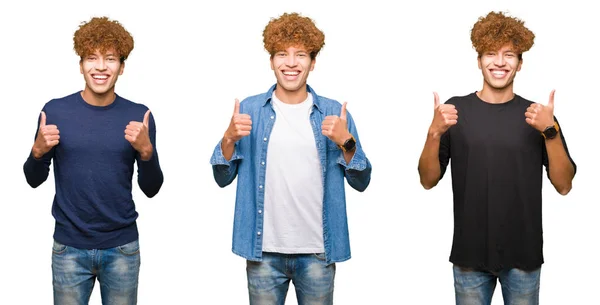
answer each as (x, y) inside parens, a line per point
(93, 170)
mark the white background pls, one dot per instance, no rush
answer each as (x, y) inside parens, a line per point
(188, 65)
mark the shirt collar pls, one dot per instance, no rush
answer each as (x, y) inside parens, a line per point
(316, 102)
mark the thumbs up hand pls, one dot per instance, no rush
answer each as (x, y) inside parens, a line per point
(137, 133)
(541, 116)
(47, 137)
(444, 116)
(336, 127)
(239, 126)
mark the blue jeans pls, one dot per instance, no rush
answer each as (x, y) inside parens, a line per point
(268, 280)
(74, 272)
(475, 287)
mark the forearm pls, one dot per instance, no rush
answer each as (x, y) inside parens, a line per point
(560, 168)
(357, 168)
(429, 162)
(36, 169)
(359, 179)
(224, 167)
(348, 155)
(150, 175)
(228, 148)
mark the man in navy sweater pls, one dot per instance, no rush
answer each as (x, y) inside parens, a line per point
(94, 137)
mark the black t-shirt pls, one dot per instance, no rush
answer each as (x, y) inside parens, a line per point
(496, 168)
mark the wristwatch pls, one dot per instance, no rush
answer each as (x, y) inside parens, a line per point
(551, 131)
(349, 145)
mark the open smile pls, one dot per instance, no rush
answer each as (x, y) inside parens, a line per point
(499, 73)
(100, 78)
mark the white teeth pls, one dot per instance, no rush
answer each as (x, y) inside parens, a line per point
(499, 73)
(291, 73)
(100, 76)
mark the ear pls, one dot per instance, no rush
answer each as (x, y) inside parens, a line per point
(479, 62)
(312, 64)
(519, 65)
(81, 66)
(272, 65)
(122, 68)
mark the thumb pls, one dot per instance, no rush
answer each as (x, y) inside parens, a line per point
(43, 119)
(236, 109)
(146, 118)
(551, 100)
(436, 99)
(343, 112)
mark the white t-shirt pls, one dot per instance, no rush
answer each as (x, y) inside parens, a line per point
(293, 219)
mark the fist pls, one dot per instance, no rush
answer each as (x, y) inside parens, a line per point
(48, 136)
(444, 116)
(336, 127)
(137, 134)
(539, 116)
(239, 126)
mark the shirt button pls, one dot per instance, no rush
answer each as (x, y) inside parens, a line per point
(259, 211)
(264, 139)
(262, 163)
(272, 117)
(258, 233)
(260, 186)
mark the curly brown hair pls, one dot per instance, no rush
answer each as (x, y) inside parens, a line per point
(496, 30)
(102, 34)
(291, 29)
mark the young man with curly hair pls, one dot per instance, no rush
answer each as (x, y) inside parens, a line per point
(94, 137)
(499, 143)
(291, 150)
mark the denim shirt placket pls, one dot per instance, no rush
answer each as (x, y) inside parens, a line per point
(260, 203)
(315, 120)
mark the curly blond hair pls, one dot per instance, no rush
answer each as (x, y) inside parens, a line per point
(496, 30)
(291, 29)
(102, 34)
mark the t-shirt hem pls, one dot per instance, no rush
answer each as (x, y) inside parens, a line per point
(294, 250)
(499, 266)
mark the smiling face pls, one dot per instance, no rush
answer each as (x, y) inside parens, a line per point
(100, 72)
(291, 67)
(499, 68)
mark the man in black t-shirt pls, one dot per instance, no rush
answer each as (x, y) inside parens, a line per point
(499, 144)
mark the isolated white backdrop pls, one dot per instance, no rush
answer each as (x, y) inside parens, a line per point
(189, 64)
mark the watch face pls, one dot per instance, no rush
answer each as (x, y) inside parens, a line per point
(350, 144)
(550, 132)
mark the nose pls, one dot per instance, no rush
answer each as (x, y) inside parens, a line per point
(499, 60)
(100, 64)
(290, 60)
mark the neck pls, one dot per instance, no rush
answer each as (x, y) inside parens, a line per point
(94, 99)
(496, 96)
(291, 97)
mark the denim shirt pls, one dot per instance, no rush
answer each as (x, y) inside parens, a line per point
(249, 162)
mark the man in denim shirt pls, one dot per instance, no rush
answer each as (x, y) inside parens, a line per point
(291, 149)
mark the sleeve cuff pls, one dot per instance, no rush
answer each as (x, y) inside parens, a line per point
(218, 158)
(358, 162)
